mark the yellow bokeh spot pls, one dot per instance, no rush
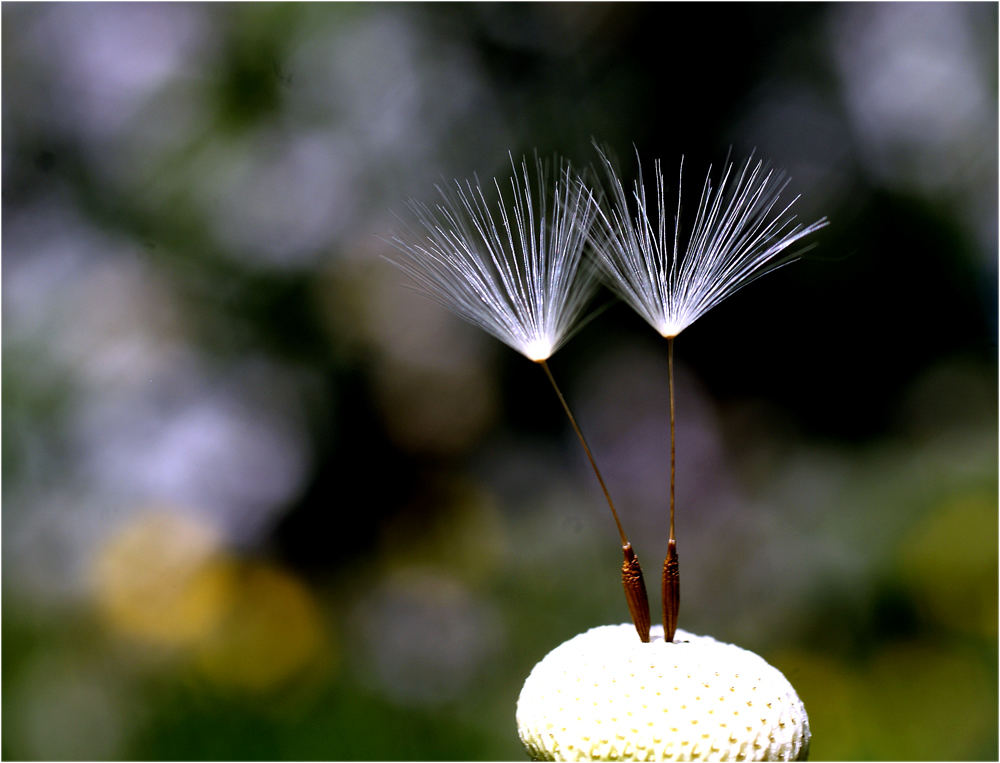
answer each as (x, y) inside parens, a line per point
(165, 580)
(949, 561)
(161, 580)
(271, 631)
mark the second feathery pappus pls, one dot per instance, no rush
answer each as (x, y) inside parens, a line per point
(740, 233)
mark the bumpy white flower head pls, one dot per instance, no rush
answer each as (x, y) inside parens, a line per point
(605, 695)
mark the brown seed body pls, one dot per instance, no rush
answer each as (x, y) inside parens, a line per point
(635, 592)
(671, 591)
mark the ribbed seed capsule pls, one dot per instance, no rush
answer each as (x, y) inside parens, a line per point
(671, 590)
(635, 592)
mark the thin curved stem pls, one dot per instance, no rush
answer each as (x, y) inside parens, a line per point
(586, 448)
(632, 578)
(670, 377)
(671, 570)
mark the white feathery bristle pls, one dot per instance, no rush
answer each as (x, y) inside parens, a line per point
(739, 234)
(507, 259)
(605, 695)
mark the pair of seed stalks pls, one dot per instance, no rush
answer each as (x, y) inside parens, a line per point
(522, 262)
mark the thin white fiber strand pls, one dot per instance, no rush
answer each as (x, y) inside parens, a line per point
(738, 235)
(509, 265)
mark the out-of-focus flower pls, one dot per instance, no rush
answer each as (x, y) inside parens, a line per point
(165, 580)
(424, 637)
(270, 633)
(160, 580)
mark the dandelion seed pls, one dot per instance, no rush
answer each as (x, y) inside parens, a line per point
(741, 231)
(513, 265)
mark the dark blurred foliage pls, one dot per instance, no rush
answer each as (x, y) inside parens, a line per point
(262, 502)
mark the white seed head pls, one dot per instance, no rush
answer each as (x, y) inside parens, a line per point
(605, 695)
(740, 232)
(509, 259)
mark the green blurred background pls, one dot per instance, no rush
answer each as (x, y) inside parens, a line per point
(262, 502)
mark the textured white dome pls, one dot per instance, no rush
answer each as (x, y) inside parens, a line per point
(605, 695)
